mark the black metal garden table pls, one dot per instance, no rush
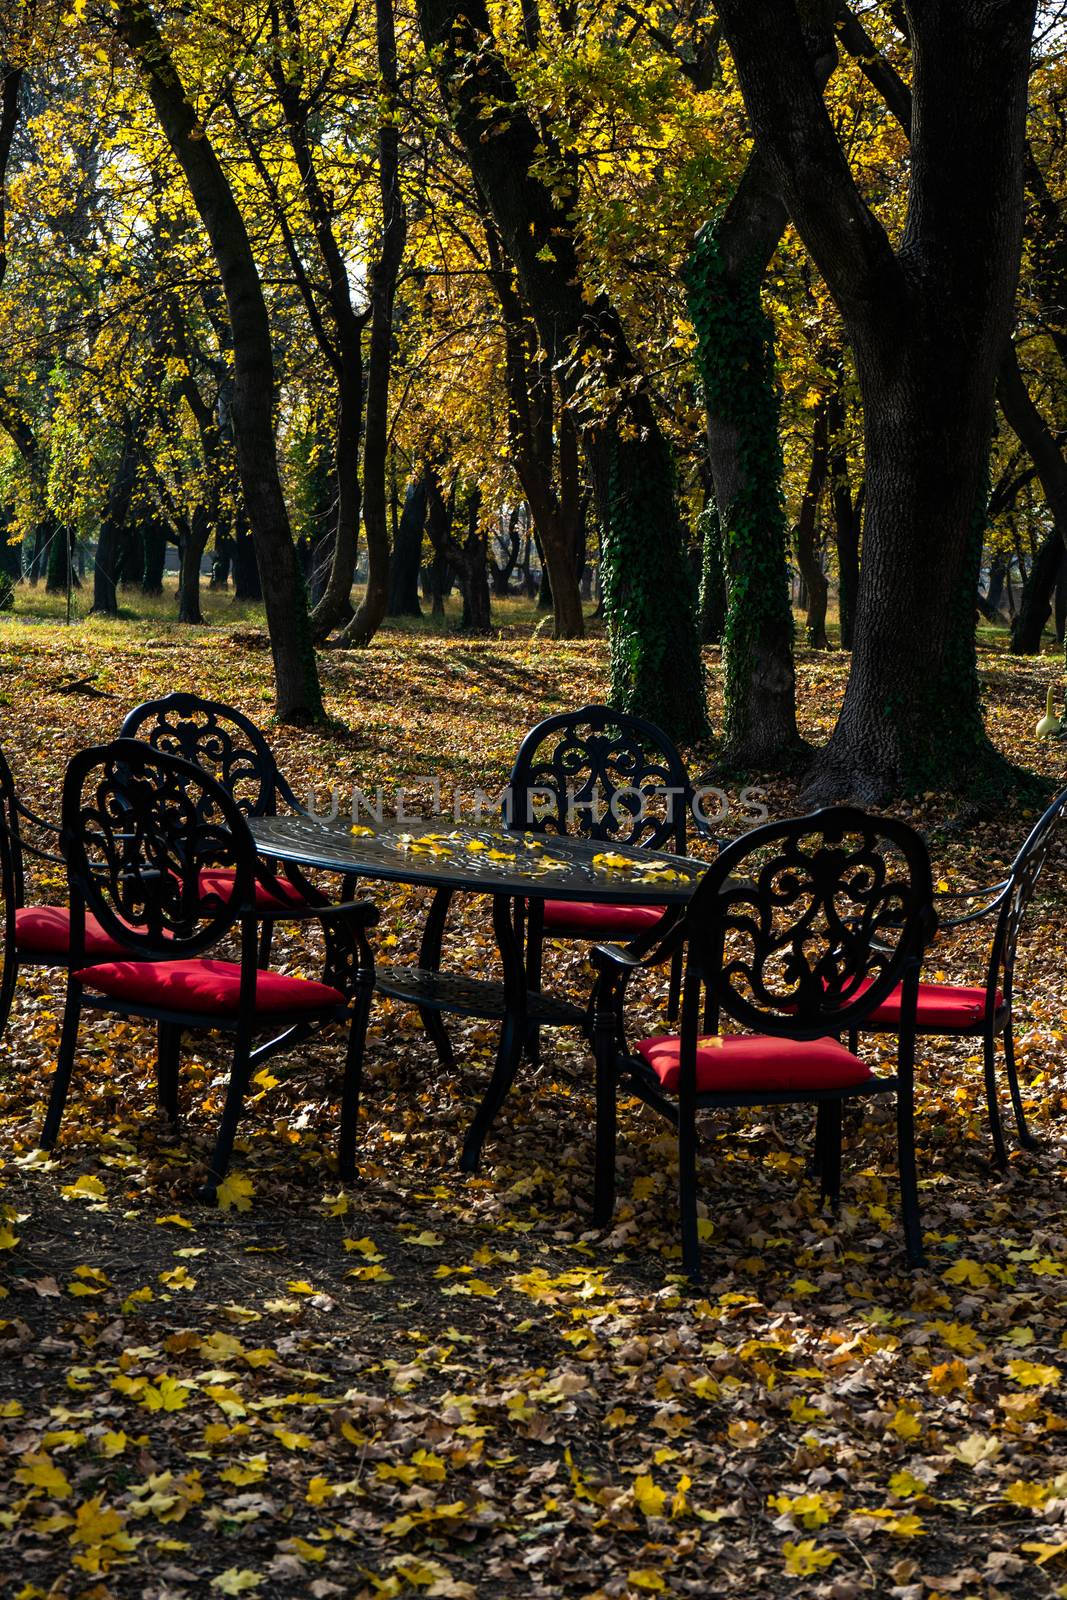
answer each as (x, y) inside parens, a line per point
(512, 868)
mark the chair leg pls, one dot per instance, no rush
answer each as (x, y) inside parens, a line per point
(534, 960)
(167, 1056)
(674, 990)
(266, 935)
(828, 1144)
(909, 1181)
(996, 1127)
(7, 984)
(1026, 1138)
(231, 1115)
(357, 1035)
(604, 1170)
(687, 1193)
(64, 1064)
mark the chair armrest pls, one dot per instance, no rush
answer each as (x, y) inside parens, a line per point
(992, 900)
(366, 909)
(615, 960)
(703, 829)
(38, 822)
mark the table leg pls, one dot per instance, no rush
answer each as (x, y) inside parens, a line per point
(512, 1033)
(430, 958)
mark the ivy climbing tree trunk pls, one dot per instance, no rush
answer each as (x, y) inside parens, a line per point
(927, 323)
(736, 353)
(298, 697)
(648, 588)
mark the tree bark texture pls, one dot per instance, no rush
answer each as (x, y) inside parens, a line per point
(928, 324)
(650, 604)
(298, 697)
(371, 611)
(808, 555)
(407, 553)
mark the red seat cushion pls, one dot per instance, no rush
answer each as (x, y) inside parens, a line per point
(210, 988)
(748, 1063)
(598, 921)
(45, 931)
(941, 1005)
(219, 881)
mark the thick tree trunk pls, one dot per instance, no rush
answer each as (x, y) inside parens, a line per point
(1035, 603)
(407, 552)
(737, 362)
(246, 580)
(736, 353)
(153, 556)
(439, 514)
(531, 414)
(298, 697)
(655, 653)
(928, 325)
(470, 560)
(191, 550)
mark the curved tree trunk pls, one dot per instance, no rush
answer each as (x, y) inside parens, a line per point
(928, 325)
(407, 553)
(655, 656)
(1035, 603)
(298, 697)
(369, 615)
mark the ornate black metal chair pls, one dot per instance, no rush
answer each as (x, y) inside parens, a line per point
(800, 929)
(229, 746)
(958, 1011)
(140, 832)
(34, 935)
(603, 774)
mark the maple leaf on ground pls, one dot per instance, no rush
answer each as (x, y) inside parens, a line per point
(235, 1191)
(806, 1557)
(237, 1580)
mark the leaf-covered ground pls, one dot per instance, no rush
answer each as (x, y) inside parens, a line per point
(426, 1384)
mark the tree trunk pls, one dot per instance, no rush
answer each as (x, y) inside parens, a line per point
(191, 550)
(1036, 438)
(500, 573)
(928, 326)
(62, 572)
(298, 697)
(368, 618)
(108, 563)
(736, 352)
(439, 513)
(153, 556)
(808, 557)
(712, 576)
(655, 653)
(470, 559)
(1035, 602)
(246, 580)
(407, 552)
